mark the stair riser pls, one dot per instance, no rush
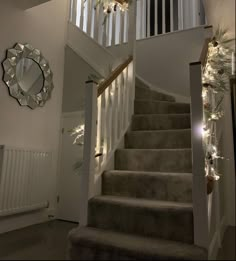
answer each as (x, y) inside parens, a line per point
(165, 223)
(160, 122)
(158, 140)
(94, 244)
(175, 161)
(146, 94)
(145, 107)
(175, 188)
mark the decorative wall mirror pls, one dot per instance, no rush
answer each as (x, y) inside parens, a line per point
(28, 75)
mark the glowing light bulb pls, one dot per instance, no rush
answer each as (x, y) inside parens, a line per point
(204, 93)
(205, 132)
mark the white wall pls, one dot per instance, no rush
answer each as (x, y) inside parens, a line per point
(164, 60)
(75, 75)
(44, 27)
(221, 13)
(26, 4)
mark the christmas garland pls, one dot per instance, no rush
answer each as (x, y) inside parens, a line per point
(112, 5)
(215, 84)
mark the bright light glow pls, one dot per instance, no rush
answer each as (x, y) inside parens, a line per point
(79, 132)
(205, 132)
(204, 93)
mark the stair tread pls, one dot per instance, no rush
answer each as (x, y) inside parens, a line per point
(162, 115)
(136, 246)
(179, 159)
(144, 203)
(162, 102)
(173, 187)
(151, 173)
(147, 93)
(155, 150)
(159, 131)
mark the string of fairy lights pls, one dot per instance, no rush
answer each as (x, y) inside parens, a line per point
(215, 82)
(110, 6)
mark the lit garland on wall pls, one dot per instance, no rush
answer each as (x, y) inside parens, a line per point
(78, 132)
(215, 83)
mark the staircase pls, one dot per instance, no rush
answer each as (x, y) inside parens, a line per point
(145, 210)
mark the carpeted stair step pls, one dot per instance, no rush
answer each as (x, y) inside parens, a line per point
(86, 243)
(149, 218)
(161, 160)
(163, 139)
(176, 187)
(147, 94)
(161, 121)
(161, 107)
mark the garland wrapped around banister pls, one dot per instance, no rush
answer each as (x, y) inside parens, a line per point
(215, 83)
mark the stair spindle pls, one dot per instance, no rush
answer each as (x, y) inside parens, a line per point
(163, 16)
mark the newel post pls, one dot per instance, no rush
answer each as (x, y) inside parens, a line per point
(200, 206)
(88, 173)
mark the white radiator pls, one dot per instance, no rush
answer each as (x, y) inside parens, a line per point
(24, 180)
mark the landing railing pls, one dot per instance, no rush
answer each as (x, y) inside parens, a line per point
(153, 17)
(106, 29)
(108, 112)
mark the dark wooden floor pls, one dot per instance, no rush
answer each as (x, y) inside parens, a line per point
(228, 246)
(48, 241)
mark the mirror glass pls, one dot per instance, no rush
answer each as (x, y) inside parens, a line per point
(29, 76)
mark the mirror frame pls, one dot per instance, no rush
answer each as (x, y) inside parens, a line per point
(14, 55)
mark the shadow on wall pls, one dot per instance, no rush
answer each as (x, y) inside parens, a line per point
(76, 73)
(164, 60)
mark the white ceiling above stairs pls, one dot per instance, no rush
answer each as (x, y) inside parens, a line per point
(27, 4)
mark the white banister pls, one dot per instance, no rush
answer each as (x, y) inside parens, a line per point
(106, 121)
(183, 14)
(200, 207)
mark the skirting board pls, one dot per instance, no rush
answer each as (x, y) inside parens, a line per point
(217, 239)
(16, 222)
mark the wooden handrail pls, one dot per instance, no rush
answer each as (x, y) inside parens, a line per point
(204, 52)
(107, 82)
